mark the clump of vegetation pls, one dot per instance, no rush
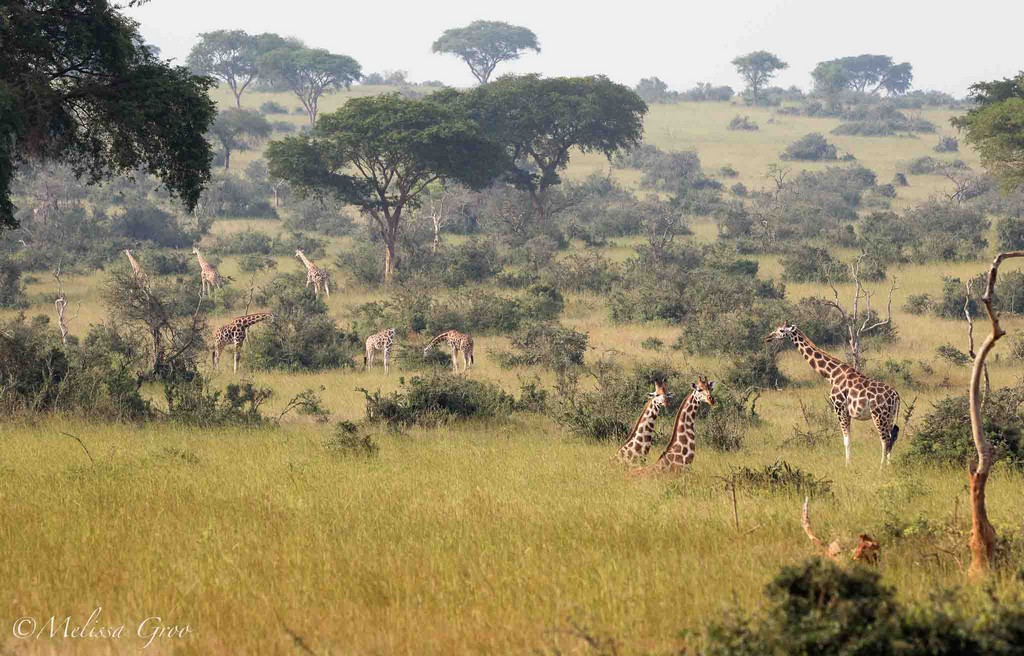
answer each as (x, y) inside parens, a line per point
(349, 440)
(728, 171)
(927, 164)
(742, 123)
(759, 369)
(917, 304)
(1010, 233)
(652, 344)
(195, 403)
(953, 355)
(780, 476)
(945, 437)
(947, 145)
(12, 290)
(587, 271)
(436, 398)
(724, 428)
(272, 107)
(811, 148)
(547, 345)
(813, 264)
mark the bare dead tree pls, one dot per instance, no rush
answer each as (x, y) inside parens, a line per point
(778, 174)
(860, 322)
(983, 534)
(662, 224)
(61, 305)
(435, 209)
(965, 184)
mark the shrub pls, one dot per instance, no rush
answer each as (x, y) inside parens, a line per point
(548, 345)
(437, 397)
(739, 189)
(947, 145)
(255, 262)
(12, 291)
(364, 262)
(471, 262)
(900, 180)
(927, 164)
(273, 107)
(1010, 233)
(245, 242)
(742, 123)
(724, 427)
(918, 304)
(303, 335)
(728, 171)
(348, 440)
(781, 476)
(757, 369)
(813, 264)
(945, 437)
(320, 216)
(652, 344)
(194, 402)
(168, 264)
(812, 147)
(584, 271)
(953, 355)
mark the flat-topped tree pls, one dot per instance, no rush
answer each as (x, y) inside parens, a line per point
(541, 120)
(485, 44)
(381, 153)
(309, 73)
(228, 55)
(79, 86)
(757, 69)
(239, 129)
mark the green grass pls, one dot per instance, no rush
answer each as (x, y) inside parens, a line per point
(494, 537)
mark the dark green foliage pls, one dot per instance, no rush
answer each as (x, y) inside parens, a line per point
(811, 148)
(780, 476)
(1010, 233)
(256, 262)
(757, 369)
(652, 344)
(757, 69)
(927, 165)
(548, 345)
(485, 44)
(584, 271)
(945, 436)
(947, 145)
(993, 124)
(724, 427)
(953, 355)
(319, 215)
(195, 403)
(742, 123)
(307, 72)
(349, 440)
(918, 303)
(272, 107)
(246, 242)
(79, 85)
(12, 291)
(946, 231)
(813, 264)
(437, 397)
(166, 264)
(239, 130)
(303, 335)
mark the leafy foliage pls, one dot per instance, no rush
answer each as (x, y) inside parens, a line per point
(437, 397)
(485, 44)
(810, 148)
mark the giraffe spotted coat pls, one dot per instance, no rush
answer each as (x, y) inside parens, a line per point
(638, 444)
(381, 342)
(459, 343)
(234, 333)
(682, 447)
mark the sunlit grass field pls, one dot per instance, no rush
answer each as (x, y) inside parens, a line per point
(502, 536)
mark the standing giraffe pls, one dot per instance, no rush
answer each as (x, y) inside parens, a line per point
(853, 395)
(315, 275)
(234, 333)
(640, 438)
(383, 342)
(209, 277)
(459, 343)
(137, 272)
(682, 446)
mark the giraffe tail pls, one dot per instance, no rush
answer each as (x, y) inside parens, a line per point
(894, 435)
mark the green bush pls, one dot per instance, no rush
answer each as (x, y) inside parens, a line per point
(195, 403)
(547, 345)
(1010, 233)
(813, 264)
(320, 216)
(757, 369)
(587, 271)
(724, 427)
(812, 147)
(742, 123)
(782, 477)
(437, 397)
(918, 304)
(927, 165)
(167, 264)
(12, 291)
(945, 437)
(349, 440)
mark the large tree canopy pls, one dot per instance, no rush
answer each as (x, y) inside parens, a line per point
(79, 86)
(757, 69)
(485, 44)
(239, 129)
(228, 55)
(863, 71)
(308, 73)
(380, 153)
(996, 127)
(540, 121)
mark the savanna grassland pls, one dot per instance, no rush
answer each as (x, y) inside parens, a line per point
(499, 535)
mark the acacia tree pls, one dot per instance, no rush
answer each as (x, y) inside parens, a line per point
(897, 79)
(381, 153)
(485, 44)
(228, 55)
(540, 121)
(757, 69)
(830, 80)
(996, 128)
(239, 129)
(309, 73)
(78, 85)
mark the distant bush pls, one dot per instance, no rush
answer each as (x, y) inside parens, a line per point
(168, 264)
(917, 304)
(742, 123)
(927, 164)
(244, 242)
(583, 271)
(945, 437)
(900, 180)
(436, 398)
(728, 171)
(724, 428)
(953, 355)
(303, 335)
(812, 148)
(283, 127)
(782, 477)
(12, 291)
(758, 369)
(739, 189)
(195, 403)
(349, 440)
(707, 92)
(364, 262)
(548, 345)
(652, 344)
(273, 107)
(947, 145)
(813, 264)
(1010, 233)
(946, 231)
(321, 216)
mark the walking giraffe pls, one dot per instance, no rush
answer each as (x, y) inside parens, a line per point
(383, 342)
(853, 394)
(315, 275)
(638, 444)
(137, 272)
(233, 333)
(209, 277)
(459, 343)
(682, 446)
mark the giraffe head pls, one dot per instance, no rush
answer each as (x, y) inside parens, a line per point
(127, 252)
(785, 331)
(298, 252)
(702, 390)
(195, 250)
(659, 397)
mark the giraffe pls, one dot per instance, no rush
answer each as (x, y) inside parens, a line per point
(854, 395)
(640, 438)
(459, 343)
(234, 333)
(383, 342)
(137, 272)
(682, 447)
(315, 275)
(209, 277)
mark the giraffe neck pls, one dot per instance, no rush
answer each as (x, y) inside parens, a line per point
(685, 418)
(202, 261)
(251, 319)
(440, 338)
(825, 364)
(650, 413)
(305, 260)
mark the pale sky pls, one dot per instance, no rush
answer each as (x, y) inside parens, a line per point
(951, 44)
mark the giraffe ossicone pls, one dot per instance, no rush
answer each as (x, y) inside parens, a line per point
(853, 395)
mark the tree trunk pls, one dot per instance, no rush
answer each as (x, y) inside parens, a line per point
(277, 202)
(238, 98)
(538, 205)
(227, 159)
(389, 259)
(983, 535)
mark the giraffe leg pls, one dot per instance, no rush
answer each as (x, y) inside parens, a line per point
(839, 404)
(884, 426)
(236, 360)
(387, 359)
(327, 288)
(455, 360)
